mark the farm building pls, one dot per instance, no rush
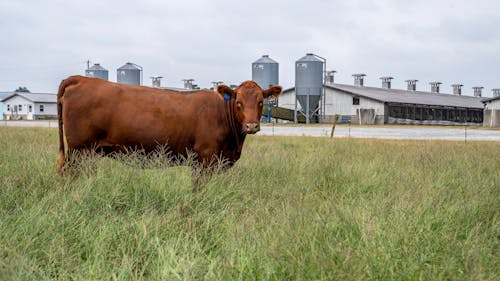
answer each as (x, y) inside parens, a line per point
(316, 97)
(492, 110)
(370, 105)
(29, 106)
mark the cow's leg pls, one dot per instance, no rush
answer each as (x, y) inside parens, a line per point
(201, 175)
(197, 180)
(205, 167)
(79, 159)
(62, 163)
(68, 163)
(106, 150)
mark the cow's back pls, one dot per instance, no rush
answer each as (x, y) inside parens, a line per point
(98, 113)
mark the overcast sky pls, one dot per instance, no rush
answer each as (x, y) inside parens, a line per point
(455, 41)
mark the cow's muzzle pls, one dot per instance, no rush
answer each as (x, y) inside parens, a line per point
(251, 128)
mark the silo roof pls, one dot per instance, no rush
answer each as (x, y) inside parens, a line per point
(130, 66)
(265, 59)
(309, 57)
(97, 67)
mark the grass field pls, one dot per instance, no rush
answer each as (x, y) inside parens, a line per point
(290, 209)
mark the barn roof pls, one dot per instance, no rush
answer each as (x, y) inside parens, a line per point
(177, 89)
(408, 97)
(34, 97)
(491, 99)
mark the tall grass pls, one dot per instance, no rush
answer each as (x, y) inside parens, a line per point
(290, 209)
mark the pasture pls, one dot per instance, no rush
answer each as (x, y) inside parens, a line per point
(292, 208)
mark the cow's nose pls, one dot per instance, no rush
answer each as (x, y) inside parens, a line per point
(252, 128)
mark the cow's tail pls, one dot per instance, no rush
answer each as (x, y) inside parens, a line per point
(61, 158)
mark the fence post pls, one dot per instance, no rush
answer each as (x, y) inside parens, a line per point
(335, 119)
(465, 134)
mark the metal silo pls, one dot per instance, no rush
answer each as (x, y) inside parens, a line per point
(130, 73)
(97, 71)
(265, 72)
(309, 85)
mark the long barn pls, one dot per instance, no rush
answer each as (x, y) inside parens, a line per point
(370, 105)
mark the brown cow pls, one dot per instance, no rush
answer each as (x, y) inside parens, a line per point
(111, 117)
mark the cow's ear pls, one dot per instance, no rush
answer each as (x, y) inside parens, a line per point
(226, 92)
(272, 91)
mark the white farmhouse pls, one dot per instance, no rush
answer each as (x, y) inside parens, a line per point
(29, 106)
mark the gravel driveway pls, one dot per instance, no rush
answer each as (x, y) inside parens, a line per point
(384, 132)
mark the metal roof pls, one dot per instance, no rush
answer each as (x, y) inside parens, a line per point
(409, 97)
(412, 97)
(265, 59)
(177, 89)
(130, 66)
(309, 57)
(490, 99)
(97, 66)
(34, 97)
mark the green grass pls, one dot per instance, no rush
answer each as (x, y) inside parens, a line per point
(290, 209)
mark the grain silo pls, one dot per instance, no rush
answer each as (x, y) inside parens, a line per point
(130, 73)
(265, 72)
(309, 85)
(97, 71)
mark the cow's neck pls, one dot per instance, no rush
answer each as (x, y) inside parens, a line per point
(236, 135)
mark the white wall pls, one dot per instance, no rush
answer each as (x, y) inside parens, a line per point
(17, 100)
(338, 102)
(287, 100)
(48, 108)
(493, 104)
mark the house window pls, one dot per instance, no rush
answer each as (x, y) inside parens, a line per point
(8, 107)
(355, 101)
(41, 108)
(20, 108)
(30, 108)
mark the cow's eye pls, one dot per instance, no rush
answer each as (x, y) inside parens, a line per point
(239, 104)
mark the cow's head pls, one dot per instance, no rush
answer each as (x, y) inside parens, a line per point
(248, 99)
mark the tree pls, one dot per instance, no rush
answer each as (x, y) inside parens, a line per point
(22, 90)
